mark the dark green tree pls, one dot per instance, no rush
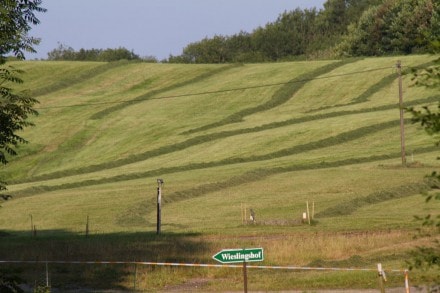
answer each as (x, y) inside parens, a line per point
(355, 8)
(64, 53)
(334, 16)
(67, 53)
(109, 55)
(241, 48)
(208, 50)
(393, 27)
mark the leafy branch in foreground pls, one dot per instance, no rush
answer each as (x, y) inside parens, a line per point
(9, 283)
(16, 18)
(430, 76)
(429, 119)
(15, 109)
(428, 257)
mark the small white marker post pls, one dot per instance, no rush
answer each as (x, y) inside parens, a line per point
(382, 277)
(406, 282)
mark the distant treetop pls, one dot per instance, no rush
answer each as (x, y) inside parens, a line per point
(66, 53)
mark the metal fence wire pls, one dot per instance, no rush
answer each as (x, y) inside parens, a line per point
(135, 274)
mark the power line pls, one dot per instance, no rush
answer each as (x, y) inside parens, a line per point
(213, 92)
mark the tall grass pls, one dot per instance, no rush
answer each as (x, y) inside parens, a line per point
(322, 250)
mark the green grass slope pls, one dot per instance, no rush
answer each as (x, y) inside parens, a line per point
(107, 123)
(223, 137)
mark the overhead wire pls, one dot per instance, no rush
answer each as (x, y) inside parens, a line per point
(211, 92)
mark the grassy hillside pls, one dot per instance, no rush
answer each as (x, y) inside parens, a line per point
(266, 136)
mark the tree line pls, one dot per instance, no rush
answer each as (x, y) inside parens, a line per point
(341, 28)
(67, 53)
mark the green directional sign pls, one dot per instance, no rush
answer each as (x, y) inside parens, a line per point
(239, 255)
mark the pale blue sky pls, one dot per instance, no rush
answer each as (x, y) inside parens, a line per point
(151, 27)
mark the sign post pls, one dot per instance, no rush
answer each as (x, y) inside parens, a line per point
(240, 255)
(245, 277)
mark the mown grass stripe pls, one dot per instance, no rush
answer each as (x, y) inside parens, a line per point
(283, 95)
(261, 174)
(248, 177)
(210, 137)
(375, 88)
(82, 77)
(101, 114)
(330, 141)
(348, 207)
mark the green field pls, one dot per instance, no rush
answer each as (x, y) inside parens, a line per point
(224, 138)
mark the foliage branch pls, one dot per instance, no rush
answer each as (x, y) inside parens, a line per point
(16, 19)
(428, 257)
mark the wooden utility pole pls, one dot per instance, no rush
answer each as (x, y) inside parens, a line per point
(159, 204)
(87, 226)
(32, 226)
(308, 212)
(402, 124)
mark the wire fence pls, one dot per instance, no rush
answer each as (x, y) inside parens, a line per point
(43, 273)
